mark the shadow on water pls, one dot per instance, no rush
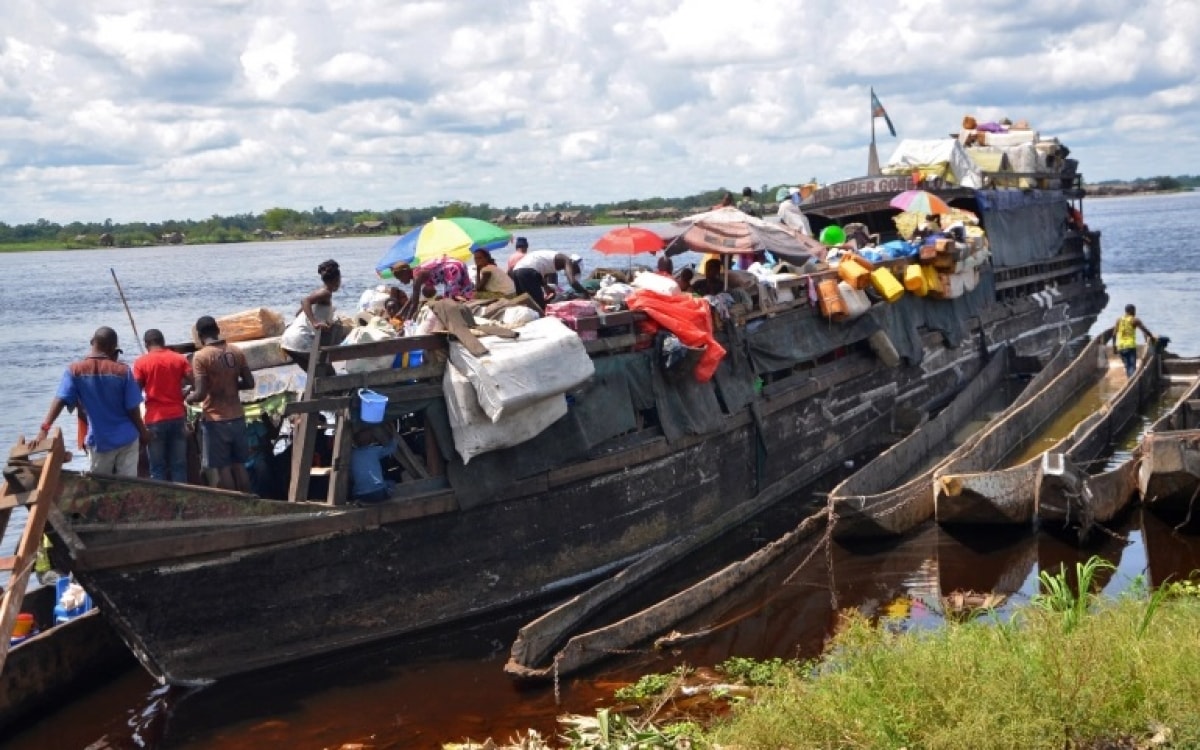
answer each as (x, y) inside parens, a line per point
(437, 688)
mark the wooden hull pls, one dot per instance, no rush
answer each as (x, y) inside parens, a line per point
(890, 495)
(1168, 474)
(47, 669)
(203, 584)
(1067, 494)
(971, 490)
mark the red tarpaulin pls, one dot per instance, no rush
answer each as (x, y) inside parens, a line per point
(689, 318)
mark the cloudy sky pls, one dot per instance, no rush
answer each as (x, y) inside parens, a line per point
(138, 110)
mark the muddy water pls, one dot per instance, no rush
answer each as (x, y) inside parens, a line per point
(430, 690)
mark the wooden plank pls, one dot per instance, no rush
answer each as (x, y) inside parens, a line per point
(304, 435)
(1037, 278)
(383, 348)
(354, 381)
(339, 481)
(45, 496)
(396, 394)
(211, 541)
(610, 344)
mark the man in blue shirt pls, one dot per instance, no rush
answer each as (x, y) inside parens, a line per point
(104, 391)
(371, 446)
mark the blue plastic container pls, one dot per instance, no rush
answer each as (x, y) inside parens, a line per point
(60, 613)
(372, 406)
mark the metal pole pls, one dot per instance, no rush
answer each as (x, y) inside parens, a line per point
(127, 312)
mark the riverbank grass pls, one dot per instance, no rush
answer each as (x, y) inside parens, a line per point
(1127, 675)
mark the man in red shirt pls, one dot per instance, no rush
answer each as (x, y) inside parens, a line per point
(220, 371)
(162, 374)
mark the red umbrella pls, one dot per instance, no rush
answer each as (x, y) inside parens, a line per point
(629, 241)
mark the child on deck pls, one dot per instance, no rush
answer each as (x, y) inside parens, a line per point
(371, 445)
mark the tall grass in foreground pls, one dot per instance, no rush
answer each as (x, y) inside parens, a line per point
(1057, 676)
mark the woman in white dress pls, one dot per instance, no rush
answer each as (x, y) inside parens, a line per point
(316, 315)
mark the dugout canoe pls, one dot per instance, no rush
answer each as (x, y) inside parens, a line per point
(893, 493)
(58, 662)
(977, 488)
(1077, 488)
(1168, 473)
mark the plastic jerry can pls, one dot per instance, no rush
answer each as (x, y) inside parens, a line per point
(856, 300)
(886, 284)
(914, 280)
(852, 272)
(831, 302)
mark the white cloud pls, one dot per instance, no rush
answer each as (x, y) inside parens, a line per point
(269, 61)
(198, 107)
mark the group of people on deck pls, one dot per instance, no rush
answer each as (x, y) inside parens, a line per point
(108, 394)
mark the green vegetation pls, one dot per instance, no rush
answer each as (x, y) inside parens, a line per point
(1070, 671)
(318, 222)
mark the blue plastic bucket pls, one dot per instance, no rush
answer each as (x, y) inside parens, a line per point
(372, 406)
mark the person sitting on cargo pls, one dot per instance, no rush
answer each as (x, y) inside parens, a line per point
(531, 272)
(791, 215)
(367, 482)
(665, 267)
(451, 273)
(315, 318)
(490, 281)
(747, 204)
(931, 227)
(713, 281)
(1124, 336)
(684, 279)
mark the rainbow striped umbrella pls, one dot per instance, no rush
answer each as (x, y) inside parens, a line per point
(455, 237)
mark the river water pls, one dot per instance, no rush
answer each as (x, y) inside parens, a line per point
(437, 689)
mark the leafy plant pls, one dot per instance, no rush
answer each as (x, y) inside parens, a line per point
(1058, 596)
(649, 686)
(756, 672)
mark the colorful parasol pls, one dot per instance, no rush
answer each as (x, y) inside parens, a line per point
(728, 230)
(629, 241)
(456, 237)
(920, 202)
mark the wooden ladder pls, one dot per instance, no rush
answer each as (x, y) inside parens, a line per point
(32, 479)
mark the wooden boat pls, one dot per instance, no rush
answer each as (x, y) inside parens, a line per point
(975, 488)
(1168, 473)
(639, 461)
(1070, 495)
(60, 661)
(893, 493)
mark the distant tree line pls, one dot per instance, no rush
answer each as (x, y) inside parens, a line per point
(319, 222)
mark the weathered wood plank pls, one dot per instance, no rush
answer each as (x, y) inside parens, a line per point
(432, 342)
(354, 381)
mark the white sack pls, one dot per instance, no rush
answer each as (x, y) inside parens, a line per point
(546, 359)
(473, 430)
(655, 282)
(365, 335)
(517, 316)
(913, 153)
(263, 353)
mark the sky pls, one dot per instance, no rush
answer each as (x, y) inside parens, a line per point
(133, 110)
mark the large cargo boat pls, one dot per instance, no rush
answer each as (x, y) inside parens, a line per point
(203, 584)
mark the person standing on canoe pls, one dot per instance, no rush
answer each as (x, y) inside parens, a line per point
(106, 392)
(1125, 338)
(162, 374)
(220, 371)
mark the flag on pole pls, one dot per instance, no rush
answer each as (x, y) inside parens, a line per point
(877, 110)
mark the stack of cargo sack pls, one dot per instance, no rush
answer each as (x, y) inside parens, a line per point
(516, 389)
